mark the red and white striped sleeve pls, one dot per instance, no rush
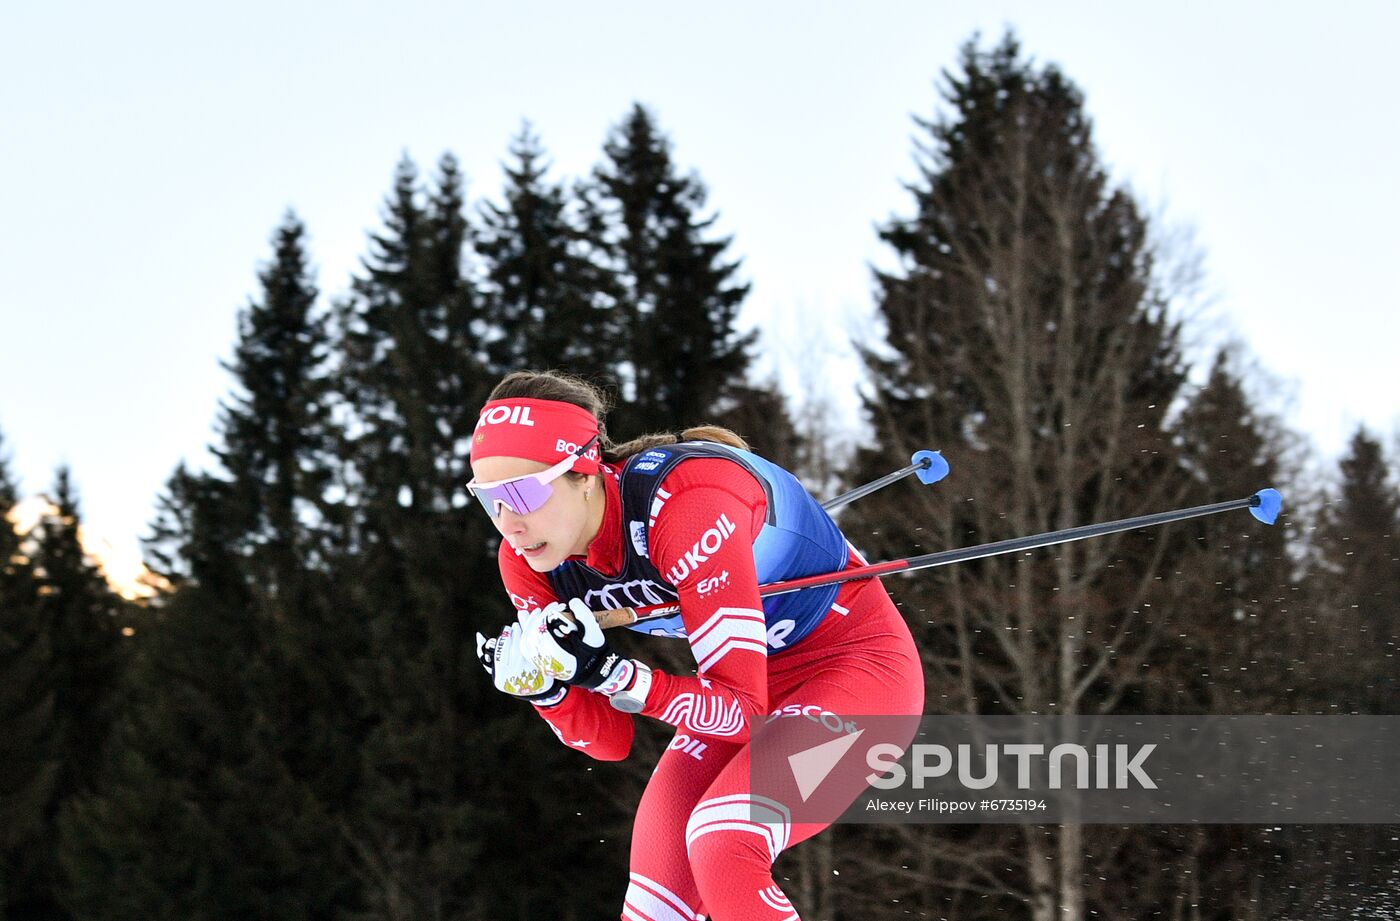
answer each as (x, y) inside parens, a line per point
(582, 719)
(702, 542)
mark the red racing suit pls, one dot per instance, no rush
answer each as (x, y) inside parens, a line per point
(701, 848)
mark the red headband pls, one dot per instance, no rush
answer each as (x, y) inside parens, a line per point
(539, 430)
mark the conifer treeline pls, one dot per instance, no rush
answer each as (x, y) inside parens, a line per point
(298, 729)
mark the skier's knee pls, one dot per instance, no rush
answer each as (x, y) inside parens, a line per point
(732, 842)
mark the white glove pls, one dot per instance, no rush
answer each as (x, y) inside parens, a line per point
(512, 671)
(573, 649)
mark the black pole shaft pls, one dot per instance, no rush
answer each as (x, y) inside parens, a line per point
(1013, 545)
(1066, 535)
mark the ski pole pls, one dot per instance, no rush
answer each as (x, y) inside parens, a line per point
(1263, 505)
(929, 465)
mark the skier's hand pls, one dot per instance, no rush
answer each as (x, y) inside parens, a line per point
(573, 649)
(512, 671)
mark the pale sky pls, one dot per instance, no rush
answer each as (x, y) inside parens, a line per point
(150, 148)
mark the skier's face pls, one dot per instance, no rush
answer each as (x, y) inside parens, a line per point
(562, 527)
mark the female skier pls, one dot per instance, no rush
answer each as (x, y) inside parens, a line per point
(589, 526)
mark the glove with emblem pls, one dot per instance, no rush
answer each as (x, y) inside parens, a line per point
(574, 650)
(513, 672)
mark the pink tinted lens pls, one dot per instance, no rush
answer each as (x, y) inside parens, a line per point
(521, 496)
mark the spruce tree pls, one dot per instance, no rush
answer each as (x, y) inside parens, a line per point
(410, 387)
(277, 439)
(198, 816)
(274, 449)
(1028, 340)
(408, 378)
(243, 677)
(272, 428)
(1235, 596)
(29, 769)
(82, 618)
(1237, 636)
(1360, 547)
(680, 351)
(85, 617)
(547, 300)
